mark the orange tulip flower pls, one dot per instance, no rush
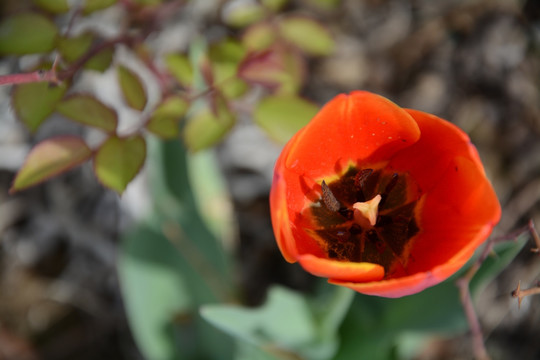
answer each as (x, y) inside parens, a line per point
(383, 200)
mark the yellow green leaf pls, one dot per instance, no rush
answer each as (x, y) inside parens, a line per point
(180, 67)
(27, 33)
(243, 14)
(34, 102)
(73, 48)
(259, 36)
(282, 116)
(101, 61)
(132, 88)
(49, 158)
(95, 5)
(118, 160)
(88, 110)
(307, 34)
(164, 121)
(53, 6)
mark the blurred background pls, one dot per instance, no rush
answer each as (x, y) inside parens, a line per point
(473, 62)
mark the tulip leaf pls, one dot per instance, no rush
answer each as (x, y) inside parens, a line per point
(180, 67)
(118, 160)
(53, 6)
(174, 240)
(284, 321)
(132, 88)
(74, 47)
(307, 34)
(27, 33)
(282, 116)
(165, 119)
(154, 289)
(34, 102)
(88, 110)
(95, 5)
(50, 158)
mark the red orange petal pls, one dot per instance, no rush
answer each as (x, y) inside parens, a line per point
(342, 270)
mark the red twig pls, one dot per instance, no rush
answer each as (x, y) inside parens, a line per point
(35, 76)
(520, 293)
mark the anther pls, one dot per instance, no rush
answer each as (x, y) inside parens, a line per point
(329, 199)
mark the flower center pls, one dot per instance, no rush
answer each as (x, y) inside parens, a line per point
(367, 215)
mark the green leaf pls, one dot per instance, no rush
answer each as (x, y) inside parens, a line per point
(284, 321)
(211, 195)
(259, 36)
(165, 119)
(154, 291)
(132, 88)
(206, 128)
(101, 61)
(27, 33)
(50, 158)
(274, 5)
(180, 67)
(118, 160)
(34, 102)
(282, 116)
(95, 5)
(73, 48)
(243, 14)
(504, 253)
(88, 110)
(53, 6)
(199, 255)
(225, 58)
(307, 34)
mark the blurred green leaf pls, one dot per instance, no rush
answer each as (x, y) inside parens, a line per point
(34, 102)
(284, 321)
(503, 254)
(243, 14)
(118, 160)
(101, 61)
(225, 58)
(211, 195)
(274, 5)
(53, 6)
(27, 33)
(282, 116)
(155, 294)
(180, 67)
(247, 351)
(50, 158)
(208, 125)
(132, 88)
(165, 119)
(200, 258)
(74, 47)
(95, 5)
(259, 36)
(307, 34)
(88, 110)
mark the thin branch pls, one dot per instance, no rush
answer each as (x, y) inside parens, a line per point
(520, 293)
(479, 348)
(35, 76)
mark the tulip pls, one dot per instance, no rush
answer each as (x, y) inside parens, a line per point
(380, 199)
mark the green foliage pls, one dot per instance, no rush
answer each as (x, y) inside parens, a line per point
(49, 158)
(180, 67)
(95, 5)
(307, 34)
(118, 160)
(88, 110)
(165, 119)
(34, 102)
(27, 33)
(132, 88)
(282, 116)
(73, 48)
(53, 6)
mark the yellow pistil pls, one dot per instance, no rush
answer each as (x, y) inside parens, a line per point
(365, 213)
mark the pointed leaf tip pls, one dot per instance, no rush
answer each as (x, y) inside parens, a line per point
(49, 158)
